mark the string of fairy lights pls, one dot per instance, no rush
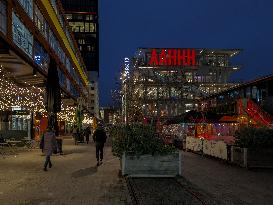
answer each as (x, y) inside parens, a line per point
(28, 97)
(31, 98)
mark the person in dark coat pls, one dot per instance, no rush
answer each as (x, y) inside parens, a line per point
(49, 145)
(59, 140)
(99, 138)
(87, 133)
(75, 135)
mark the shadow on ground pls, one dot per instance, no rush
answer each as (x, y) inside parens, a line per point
(85, 172)
(74, 151)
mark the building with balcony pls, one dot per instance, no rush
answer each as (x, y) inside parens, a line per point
(32, 34)
(82, 16)
(163, 83)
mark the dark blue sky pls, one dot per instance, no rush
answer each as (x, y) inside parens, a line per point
(126, 25)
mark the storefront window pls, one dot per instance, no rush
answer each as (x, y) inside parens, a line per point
(41, 57)
(27, 6)
(3, 16)
(21, 35)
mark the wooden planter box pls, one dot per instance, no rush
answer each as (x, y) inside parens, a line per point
(152, 166)
(252, 158)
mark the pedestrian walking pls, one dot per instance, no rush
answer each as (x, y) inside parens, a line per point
(59, 140)
(87, 133)
(75, 135)
(99, 138)
(49, 146)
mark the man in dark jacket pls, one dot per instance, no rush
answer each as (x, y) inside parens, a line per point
(87, 132)
(99, 138)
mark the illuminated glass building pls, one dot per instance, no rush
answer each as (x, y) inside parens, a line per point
(32, 34)
(168, 82)
(83, 20)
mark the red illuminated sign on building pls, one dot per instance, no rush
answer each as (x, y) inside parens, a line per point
(173, 57)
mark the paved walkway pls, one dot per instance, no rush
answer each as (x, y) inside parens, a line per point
(74, 178)
(228, 184)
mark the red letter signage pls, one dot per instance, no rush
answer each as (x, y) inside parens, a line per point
(163, 58)
(173, 57)
(153, 60)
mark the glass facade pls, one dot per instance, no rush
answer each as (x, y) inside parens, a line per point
(40, 22)
(62, 78)
(3, 16)
(41, 57)
(21, 35)
(27, 6)
(74, 91)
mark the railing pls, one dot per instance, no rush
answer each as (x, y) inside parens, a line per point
(257, 113)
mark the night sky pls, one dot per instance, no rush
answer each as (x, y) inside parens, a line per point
(126, 25)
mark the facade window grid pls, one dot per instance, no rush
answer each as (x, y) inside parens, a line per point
(24, 39)
(52, 40)
(21, 35)
(61, 20)
(3, 16)
(82, 27)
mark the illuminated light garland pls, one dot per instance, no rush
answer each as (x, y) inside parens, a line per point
(28, 98)
(31, 98)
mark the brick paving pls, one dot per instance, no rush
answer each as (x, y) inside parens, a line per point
(227, 183)
(73, 179)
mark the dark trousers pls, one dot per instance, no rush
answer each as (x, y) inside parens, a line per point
(48, 161)
(87, 139)
(60, 145)
(99, 151)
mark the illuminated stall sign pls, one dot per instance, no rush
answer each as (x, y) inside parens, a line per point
(173, 57)
(126, 67)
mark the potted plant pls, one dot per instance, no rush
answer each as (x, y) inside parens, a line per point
(142, 153)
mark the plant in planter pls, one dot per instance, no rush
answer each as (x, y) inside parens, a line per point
(251, 137)
(142, 153)
(257, 144)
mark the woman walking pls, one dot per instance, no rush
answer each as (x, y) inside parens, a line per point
(49, 146)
